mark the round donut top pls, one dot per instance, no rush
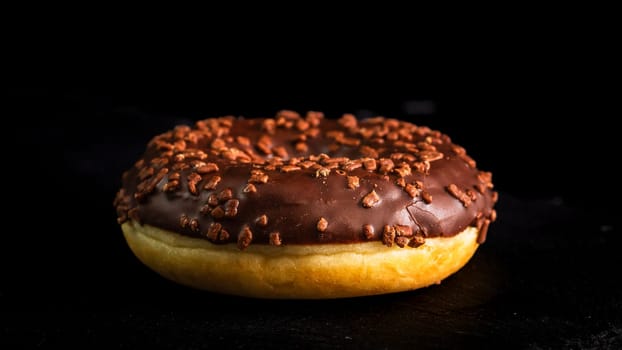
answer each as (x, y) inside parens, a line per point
(307, 180)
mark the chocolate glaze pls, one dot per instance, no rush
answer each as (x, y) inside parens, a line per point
(294, 201)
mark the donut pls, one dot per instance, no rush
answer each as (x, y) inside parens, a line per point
(305, 207)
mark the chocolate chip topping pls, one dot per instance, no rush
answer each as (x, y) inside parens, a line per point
(228, 175)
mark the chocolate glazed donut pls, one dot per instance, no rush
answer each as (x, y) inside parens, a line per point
(305, 207)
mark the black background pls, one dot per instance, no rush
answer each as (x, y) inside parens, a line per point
(548, 276)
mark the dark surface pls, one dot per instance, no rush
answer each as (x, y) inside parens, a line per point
(548, 276)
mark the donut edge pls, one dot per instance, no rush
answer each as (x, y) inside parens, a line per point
(323, 271)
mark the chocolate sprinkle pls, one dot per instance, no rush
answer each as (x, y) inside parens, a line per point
(427, 197)
(401, 241)
(250, 188)
(258, 177)
(368, 231)
(459, 194)
(213, 231)
(224, 235)
(262, 220)
(371, 199)
(417, 241)
(481, 238)
(403, 230)
(194, 225)
(212, 182)
(275, 239)
(212, 200)
(322, 225)
(412, 190)
(183, 221)
(244, 238)
(231, 208)
(218, 213)
(388, 235)
(353, 182)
